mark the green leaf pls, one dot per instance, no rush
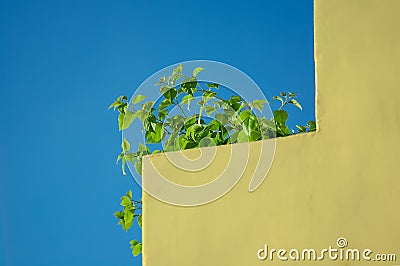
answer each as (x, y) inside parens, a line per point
(270, 124)
(119, 214)
(213, 85)
(189, 144)
(210, 109)
(177, 73)
(143, 149)
(165, 104)
(242, 137)
(133, 243)
(278, 98)
(170, 94)
(140, 220)
(234, 103)
(194, 131)
(157, 135)
(125, 145)
(245, 114)
(141, 114)
(251, 127)
(121, 118)
(177, 70)
(176, 122)
(138, 98)
(125, 201)
(121, 101)
(301, 129)
(292, 94)
(162, 114)
(258, 104)
(283, 94)
(149, 123)
(214, 126)
(147, 106)
(189, 86)
(164, 89)
(129, 194)
(176, 77)
(222, 118)
(137, 249)
(128, 217)
(267, 127)
(185, 143)
(312, 125)
(115, 104)
(233, 137)
(196, 71)
(131, 157)
(186, 100)
(280, 116)
(282, 130)
(295, 103)
(207, 142)
(119, 157)
(255, 135)
(128, 119)
(235, 98)
(138, 166)
(190, 121)
(209, 94)
(201, 103)
(172, 143)
(125, 225)
(161, 81)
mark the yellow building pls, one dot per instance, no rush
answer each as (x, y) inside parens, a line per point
(339, 182)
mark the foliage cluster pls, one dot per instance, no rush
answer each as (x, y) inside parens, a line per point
(220, 120)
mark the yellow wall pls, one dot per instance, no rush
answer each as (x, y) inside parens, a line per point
(341, 181)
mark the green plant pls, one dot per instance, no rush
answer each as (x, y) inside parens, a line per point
(234, 121)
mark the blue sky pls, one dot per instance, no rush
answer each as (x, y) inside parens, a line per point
(63, 62)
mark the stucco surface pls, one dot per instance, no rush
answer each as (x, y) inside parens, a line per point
(341, 181)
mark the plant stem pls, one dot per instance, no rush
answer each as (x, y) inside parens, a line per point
(180, 107)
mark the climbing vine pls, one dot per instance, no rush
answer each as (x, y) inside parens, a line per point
(221, 119)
